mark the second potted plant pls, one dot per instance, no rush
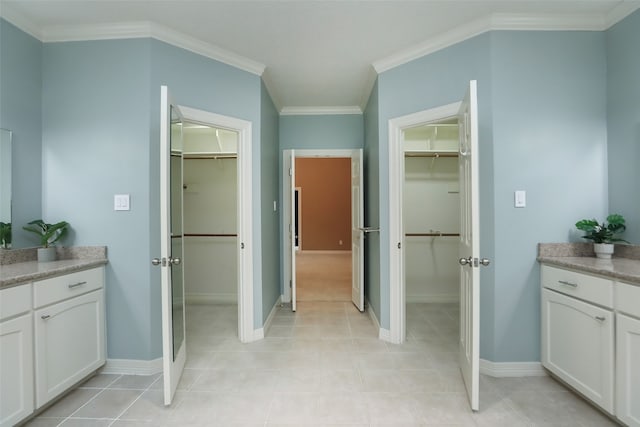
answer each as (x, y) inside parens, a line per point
(49, 234)
(603, 235)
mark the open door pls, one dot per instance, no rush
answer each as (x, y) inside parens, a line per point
(170, 261)
(292, 215)
(469, 246)
(357, 232)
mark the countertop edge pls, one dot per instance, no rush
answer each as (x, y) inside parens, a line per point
(67, 266)
(606, 268)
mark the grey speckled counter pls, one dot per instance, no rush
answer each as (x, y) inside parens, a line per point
(624, 266)
(20, 266)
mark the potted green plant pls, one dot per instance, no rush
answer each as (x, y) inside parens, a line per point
(49, 234)
(5, 235)
(603, 235)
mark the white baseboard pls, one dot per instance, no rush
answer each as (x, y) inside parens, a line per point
(383, 334)
(132, 367)
(511, 369)
(436, 298)
(208, 298)
(259, 333)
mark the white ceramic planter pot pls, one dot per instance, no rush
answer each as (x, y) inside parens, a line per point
(603, 250)
(47, 254)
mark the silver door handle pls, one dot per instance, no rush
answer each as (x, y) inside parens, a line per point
(175, 261)
(158, 261)
(600, 318)
(45, 317)
(485, 261)
(466, 261)
(368, 229)
(564, 282)
(75, 285)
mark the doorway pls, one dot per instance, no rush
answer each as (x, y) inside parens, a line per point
(330, 256)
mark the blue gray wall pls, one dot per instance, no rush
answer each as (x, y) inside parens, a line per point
(101, 137)
(20, 112)
(542, 128)
(623, 122)
(270, 217)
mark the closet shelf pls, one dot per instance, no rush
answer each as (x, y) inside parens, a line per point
(429, 153)
(432, 234)
(210, 235)
(209, 155)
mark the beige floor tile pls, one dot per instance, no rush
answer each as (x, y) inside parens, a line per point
(70, 403)
(108, 404)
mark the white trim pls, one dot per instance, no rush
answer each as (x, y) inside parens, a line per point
(272, 315)
(383, 334)
(319, 111)
(511, 369)
(9, 14)
(132, 367)
(246, 331)
(397, 286)
(503, 21)
(211, 298)
(433, 298)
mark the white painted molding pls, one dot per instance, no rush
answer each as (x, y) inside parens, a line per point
(8, 13)
(258, 334)
(132, 367)
(512, 22)
(211, 298)
(272, 315)
(320, 111)
(383, 334)
(433, 298)
(511, 369)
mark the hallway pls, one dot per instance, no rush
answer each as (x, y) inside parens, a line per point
(323, 275)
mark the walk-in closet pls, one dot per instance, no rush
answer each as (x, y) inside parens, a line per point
(431, 218)
(210, 214)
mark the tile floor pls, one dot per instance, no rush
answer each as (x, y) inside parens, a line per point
(323, 275)
(322, 366)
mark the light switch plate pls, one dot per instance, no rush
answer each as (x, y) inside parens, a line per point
(520, 198)
(121, 202)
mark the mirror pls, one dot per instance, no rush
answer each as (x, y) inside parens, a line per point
(5, 188)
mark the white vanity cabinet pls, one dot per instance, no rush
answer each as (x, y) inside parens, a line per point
(628, 354)
(69, 331)
(16, 355)
(578, 332)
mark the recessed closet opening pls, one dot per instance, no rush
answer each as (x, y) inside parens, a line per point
(323, 229)
(431, 218)
(210, 187)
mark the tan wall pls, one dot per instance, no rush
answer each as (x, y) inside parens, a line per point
(326, 202)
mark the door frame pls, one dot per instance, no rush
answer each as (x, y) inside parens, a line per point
(397, 285)
(244, 248)
(286, 217)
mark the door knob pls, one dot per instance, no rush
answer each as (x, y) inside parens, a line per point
(485, 261)
(466, 261)
(158, 261)
(175, 261)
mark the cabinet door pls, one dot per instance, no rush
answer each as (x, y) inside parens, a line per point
(16, 369)
(628, 370)
(69, 339)
(577, 346)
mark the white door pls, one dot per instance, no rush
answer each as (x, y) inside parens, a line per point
(292, 217)
(469, 246)
(357, 232)
(170, 261)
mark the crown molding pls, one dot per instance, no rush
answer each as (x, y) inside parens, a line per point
(319, 111)
(512, 22)
(9, 14)
(620, 12)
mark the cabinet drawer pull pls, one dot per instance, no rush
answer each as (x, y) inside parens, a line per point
(45, 317)
(564, 282)
(75, 285)
(600, 318)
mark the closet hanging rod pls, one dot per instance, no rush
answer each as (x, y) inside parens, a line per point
(432, 234)
(210, 235)
(209, 156)
(434, 154)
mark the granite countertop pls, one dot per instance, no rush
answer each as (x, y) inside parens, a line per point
(624, 266)
(20, 266)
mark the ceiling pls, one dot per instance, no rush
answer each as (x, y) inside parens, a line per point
(314, 56)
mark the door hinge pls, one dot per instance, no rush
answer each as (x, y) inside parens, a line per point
(290, 284)
(399, 245)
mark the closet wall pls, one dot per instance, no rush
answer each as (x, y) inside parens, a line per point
(210, 217)
(431, 207)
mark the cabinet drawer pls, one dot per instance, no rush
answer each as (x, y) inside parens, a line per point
(588, 288)
(60, 288)
(15, 300)
(628, 299)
